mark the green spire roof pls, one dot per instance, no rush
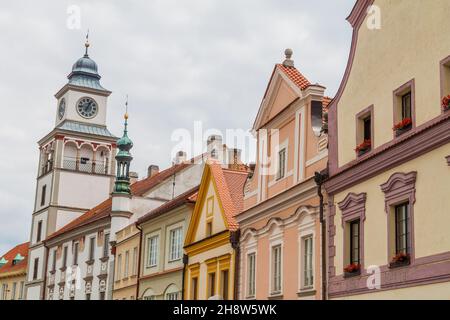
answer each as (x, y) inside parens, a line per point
(123, 158)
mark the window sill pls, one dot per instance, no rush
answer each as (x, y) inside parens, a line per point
(395, 265)
(348, 275)
(276, 296)
(250, 298)
(363, 153)
(306, 292)
(400, 132)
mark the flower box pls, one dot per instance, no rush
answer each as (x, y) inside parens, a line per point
(446, 103)
(402, 127)
(364, 147)
(352, 270)
(400, 260)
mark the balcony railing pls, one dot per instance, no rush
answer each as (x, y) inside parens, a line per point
(85, 165)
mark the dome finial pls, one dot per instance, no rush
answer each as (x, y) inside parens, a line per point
(126, 109)
(86, 44)
(288, 62)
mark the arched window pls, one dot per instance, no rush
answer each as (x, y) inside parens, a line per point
(172, 293)
(149, 294)
(101, 164)
(70, 156)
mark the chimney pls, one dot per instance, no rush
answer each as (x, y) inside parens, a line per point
(214, 147)
(152, 170)
(133, 177)
(234, 158)
(180, 157)
(252, 167)
(288, 62)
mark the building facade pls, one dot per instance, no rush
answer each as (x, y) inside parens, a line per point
(389, 156)
(212, 239)
(280, 224)
(163, 233)
(80, 152)
(13, 271)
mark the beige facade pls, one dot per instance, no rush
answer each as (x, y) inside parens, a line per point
(126, 263)
(394, 194)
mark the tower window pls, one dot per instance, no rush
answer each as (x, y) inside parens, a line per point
(35, 268)
(281, 163)
(39, 231)
(43, 194)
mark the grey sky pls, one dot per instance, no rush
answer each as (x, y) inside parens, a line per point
(179, 61)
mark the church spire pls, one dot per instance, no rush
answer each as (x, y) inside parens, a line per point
(123, 158)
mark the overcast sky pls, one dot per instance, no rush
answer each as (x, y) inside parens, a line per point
(179, 61)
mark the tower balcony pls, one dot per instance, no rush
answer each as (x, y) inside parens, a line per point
(86, 165)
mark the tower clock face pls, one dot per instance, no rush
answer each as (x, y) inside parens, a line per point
(87, 107)
(62, 109)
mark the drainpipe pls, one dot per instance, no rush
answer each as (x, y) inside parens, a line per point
(45, 272)
(139, 260)
(183, 279)
(319, 178)
(234, 239)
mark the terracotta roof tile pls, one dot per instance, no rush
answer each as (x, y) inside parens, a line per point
(21, 249)
(182, 199)
(230, 186)
(295, 76)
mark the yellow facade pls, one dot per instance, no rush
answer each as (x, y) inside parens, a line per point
(14, 285)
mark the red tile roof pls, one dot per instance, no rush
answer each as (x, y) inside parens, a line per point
(230, 186)
(103, 210)
(21, 249)
(182, 199)
(295, 76)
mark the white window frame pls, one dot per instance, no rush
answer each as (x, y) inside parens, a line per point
(135, 261)
(127, 264)
(306, 230)
(249, 253)
(282, 146)
(119, 267)
(149, 263)
(276, 240)
(170, 230)
(303, 250)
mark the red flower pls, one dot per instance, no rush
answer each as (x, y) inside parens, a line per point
(402, 124)
(401, 257)
(446, 103)
(354, 267)
(367, 144)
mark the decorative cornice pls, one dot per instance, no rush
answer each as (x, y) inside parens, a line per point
(352, 200)
(399, 178)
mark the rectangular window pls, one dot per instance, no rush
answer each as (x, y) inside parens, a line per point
(194, 288)
(308, 272)
(406, 105)
(135, 261)
(152, 251)
(354, 242)
(127, 263)
(211, 284)
(43, 193)
(251, 274)
(39, 231)
(404, 98)
(35, 268)
(209, 229)
(401, 229)
(13, 292)
(210, 207)
(225, 284)
(4, 291)
(75, 253)
(22, 286)
(119, 267)
(281, 163)
(91, 248)
(367, 124)
(64, 265)
(175, 244)
(172, 296)
(276, 269)
(106, 246)
(54, 260)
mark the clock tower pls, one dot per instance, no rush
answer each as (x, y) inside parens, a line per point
(76, 168)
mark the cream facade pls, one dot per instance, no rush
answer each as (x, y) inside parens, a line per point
(388, 203)
(280, 255)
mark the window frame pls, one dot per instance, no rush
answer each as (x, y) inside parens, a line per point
(43, 195)
(39, 231)
(304, 267)
(92, 246)
(175, 245)
(351, 242)
(281, 163)
(398, 94)
(149, 262)
(444, 79)
(274, 278)
(360, 118)
(75, 253)
(126, 268)
(251, 281)
(35, 268)
(405, 236)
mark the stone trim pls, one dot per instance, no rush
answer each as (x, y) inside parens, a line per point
(400, 187)
(353, 207)
(331, 234)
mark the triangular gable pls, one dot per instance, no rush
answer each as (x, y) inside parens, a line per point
(209, 186)
(285, 86)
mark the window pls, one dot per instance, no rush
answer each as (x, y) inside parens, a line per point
(102, 296)
(401, 229)
(308, 271)
(404, 107)
(39, 231)
(354, 242)
(225, 284)
(210, 207)
(172, 292)
(54, 261)
(127, 263)
(152, 251)
(88, 296)
(281, 163)
(276, 269)
(22, 285)
(13, 292)
(211, 284)
(64, 265)
(175, 244)
(251, 274)
(194, 288)
(43, 193)
(119, 267)
(209, 229)
(135, 261)
(4, 291)
(106, 246)
(367, 124)
(172, 296)
(75, 253)
(91, 248)
(445, 77)
(35, 268)
(364, 131)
